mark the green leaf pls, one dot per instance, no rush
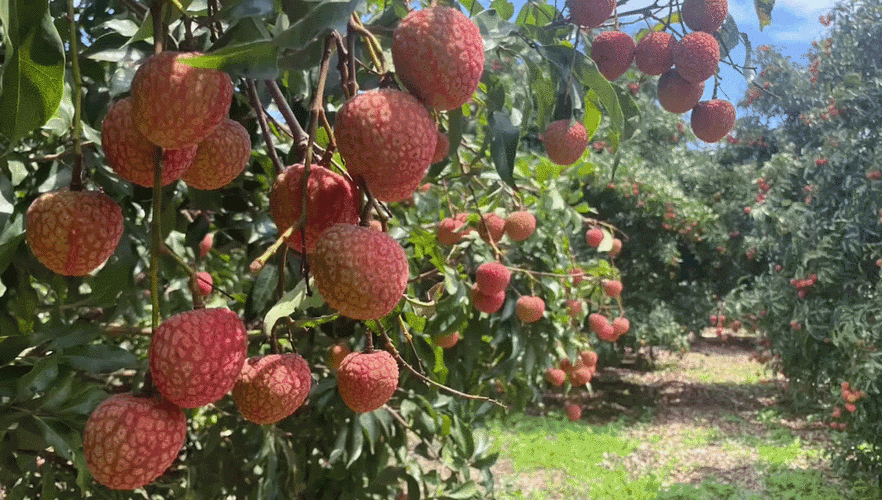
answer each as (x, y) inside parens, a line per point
(33, 74)
(100, 358)
(592, 119)
(11, 347)
(764, 12)
(321, 18)
(255, 60)
(630, 111)
(504, 145)
(43, 373)
(292, 301)
(728, 36)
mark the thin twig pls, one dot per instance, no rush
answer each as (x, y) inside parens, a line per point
(264, 127)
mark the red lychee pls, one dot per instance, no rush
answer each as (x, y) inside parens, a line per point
(196, 356)
(388, 138)
(565, 141)
(439, 55)
(616, 247)
(130, 154)
(577, 274)
(574, 412)
(174, 104)
(597, 322)
(130, 441)
(704, 15)
(520, 225)
(621, 326)
(492, 278)
(442, 148)
(590, 13)
(612, 288)
(73, 232)
(581, 375)
(712, 120)
(446, 341)
(451, 231)
(360, 272)
(574, 307)
(613, 51)
(488, 303)
(555, 376)
(593, 237)
(589, 358)
(272, 387)
(676, 95)
(529, 309)
(696, 56)
(206, 244)
(654, 53)
(492, 227)
(607, 333)
(221, 157)
(205, 283)
(366, 381)
(331, 199)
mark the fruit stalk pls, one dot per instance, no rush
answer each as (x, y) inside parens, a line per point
(264, 127)
(76, 180)
(156, 234)
(301, 138)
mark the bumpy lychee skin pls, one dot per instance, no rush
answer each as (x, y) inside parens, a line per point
(488, 303)
(520, 225)
(174, 104)
(529, 309)
(331, 199)
(577, 273)
(221, 157)
(130, 441)
(360, 272)
(589, 358)
(612, 288)
(581, 375)
(590, 13)
(442, 147)
(130, 154)
(574, 307)
(555, 376)
(704, 15)
(205, 283)
(712, 120)
(565, 141)
(696, 56)
(492, 228)
(676, 95)
(574, 412)
(439, 55)
(654, 53)
(607, 333)
(73, 232)
(366, 381)
(446, 341)
(616, 248)
(621, 326)
(196, 356)
(272, 387)
(387, 137)
(450, 231)
(613, 51)
(597, 322)
(492, 278)
(594, 237)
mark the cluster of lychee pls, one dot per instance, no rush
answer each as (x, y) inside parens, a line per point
(850, 396)
(518, 226)
(579, 373)
(684, 65)
(804, 286)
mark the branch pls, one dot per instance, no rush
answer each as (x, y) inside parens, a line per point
(264, 127)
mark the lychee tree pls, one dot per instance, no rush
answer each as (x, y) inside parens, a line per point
(107, 323)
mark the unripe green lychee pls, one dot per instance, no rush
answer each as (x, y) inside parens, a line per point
(221, 157)
(555, 376)
(331, 199)
(712, 120)
(439, 55)
(175, 104)
(613, 51)
(492, 278)
(529, 309)
(565, 141)
(360, 272)
(272, 387)
(704, 15)
(675, 94)
(593, 237)
(73, 232)
(196, 356)
(130, 441)
(486, 302)
(696, 56)
(366, 381)
(130, 154)
(590, 13)
(520, 225)
(654, 53)
(442, 148)
(389, 139)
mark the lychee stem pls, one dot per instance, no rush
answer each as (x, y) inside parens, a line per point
(156, 234)
(264, 127)
(301, 138)
(158, 25)
(76, 180)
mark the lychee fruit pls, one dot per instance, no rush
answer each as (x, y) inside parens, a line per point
(704, 15)
(442, 148)
(360, 272)
(529, 309)
(593, 237)
(612, 288)
(331, 199)
(654, 53)
(574, 412)
(366, 381)
(589, 358)
(336, 354)
(676, 95)
(577, 274)
(574, 307)
(590, 13)
(389, 139)
(446, 341)
(439, 55)
(206, 244)
(555, 376)
(221, 157)
(491, 227)
(73, 232)
(520, 225)
(196, 356)
(205, 283)
(175, 104)
(272, 387)
(492, 278)
(613, 51)
(621, 326)
(581, 375)
(597, 322)
(451, 231)
(130, 154)
(565, 141)
(488, 303)
(712, 120)
(696, 56)
(607, 333)
(566, 365)
(616, 247)
(130, 441)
